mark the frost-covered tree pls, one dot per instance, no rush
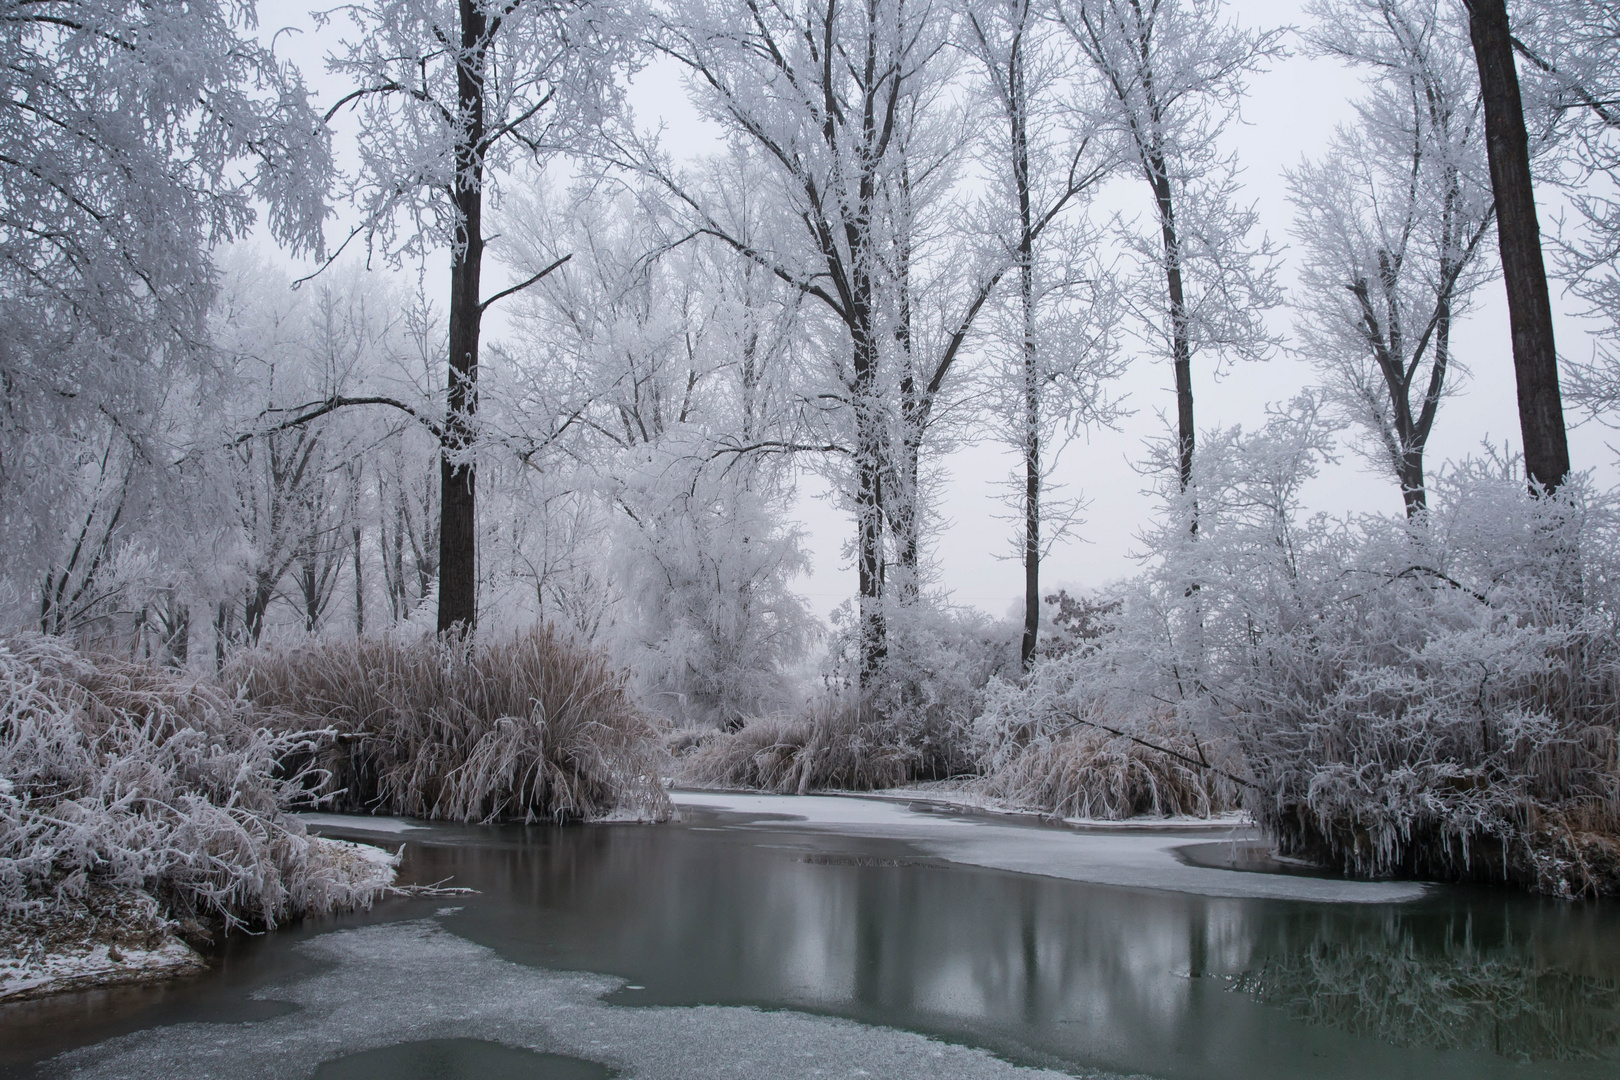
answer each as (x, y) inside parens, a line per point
(1044, 157)
(133, 137)
(450, 95)
(297, 496)
(1391, 221)
(819, 94)
(677, 363)
(1176, 72)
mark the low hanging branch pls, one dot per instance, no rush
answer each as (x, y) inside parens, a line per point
(524, 284)
(1178, 755)
(312, 411)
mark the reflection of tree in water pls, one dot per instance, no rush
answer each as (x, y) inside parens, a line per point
(1453, 997)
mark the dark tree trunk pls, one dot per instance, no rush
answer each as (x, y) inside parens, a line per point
(1535, 359)
(258, 602)
(869, 440)
(359, 588)
(1180, 344)
(873, 642)
(458, 565)
(1413, 490)
(1018, 105)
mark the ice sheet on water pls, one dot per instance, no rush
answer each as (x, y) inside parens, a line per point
(816, 809)
(359, 823)
(407, 982)
(1130, 859)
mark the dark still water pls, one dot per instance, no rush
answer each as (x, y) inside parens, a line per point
(724, 911)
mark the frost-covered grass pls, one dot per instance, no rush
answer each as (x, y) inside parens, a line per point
(134, 801)
(533, 727)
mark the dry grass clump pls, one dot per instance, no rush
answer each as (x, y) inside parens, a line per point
(132, 798)
(838, 744)
(534, 727)
(1091, 772)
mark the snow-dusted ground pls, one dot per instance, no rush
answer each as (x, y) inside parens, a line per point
(93, 964)
(1136, 858)
(405, 982)
(32, 968)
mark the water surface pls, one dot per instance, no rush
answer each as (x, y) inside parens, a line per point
(736, 910)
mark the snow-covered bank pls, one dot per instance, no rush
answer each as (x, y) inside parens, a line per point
(37, 971)
(1130, 858)
(122, 940)
(408, 982)
(139, 806)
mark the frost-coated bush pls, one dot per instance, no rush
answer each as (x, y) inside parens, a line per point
(1063, 741)
(1436, 697)
(533, 727)
(131, 789)
(921, 704)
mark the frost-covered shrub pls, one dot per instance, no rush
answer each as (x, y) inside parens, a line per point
(913, 722)
(1443, 698)
(939, 663)
(923, 700)
(136, 795)
(533, 727)
(1436, 697)
(1088, 771)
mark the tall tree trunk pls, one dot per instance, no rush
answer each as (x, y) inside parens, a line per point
(458, 575)
(1180, 345)
(873, 642)
(359, 588)
(1535, 358)
(1018, 105)
(902, 502)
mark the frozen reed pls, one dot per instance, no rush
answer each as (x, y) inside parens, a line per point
(532, 728)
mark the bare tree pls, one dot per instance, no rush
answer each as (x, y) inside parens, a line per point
(1044, 158)
(1392, 221)
(449, 95)
(1176, 71)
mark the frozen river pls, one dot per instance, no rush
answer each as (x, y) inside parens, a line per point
(769, 937)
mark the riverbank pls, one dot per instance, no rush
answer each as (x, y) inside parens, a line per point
(119, 937)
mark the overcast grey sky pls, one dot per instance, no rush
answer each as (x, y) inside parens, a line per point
(1291, 111)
